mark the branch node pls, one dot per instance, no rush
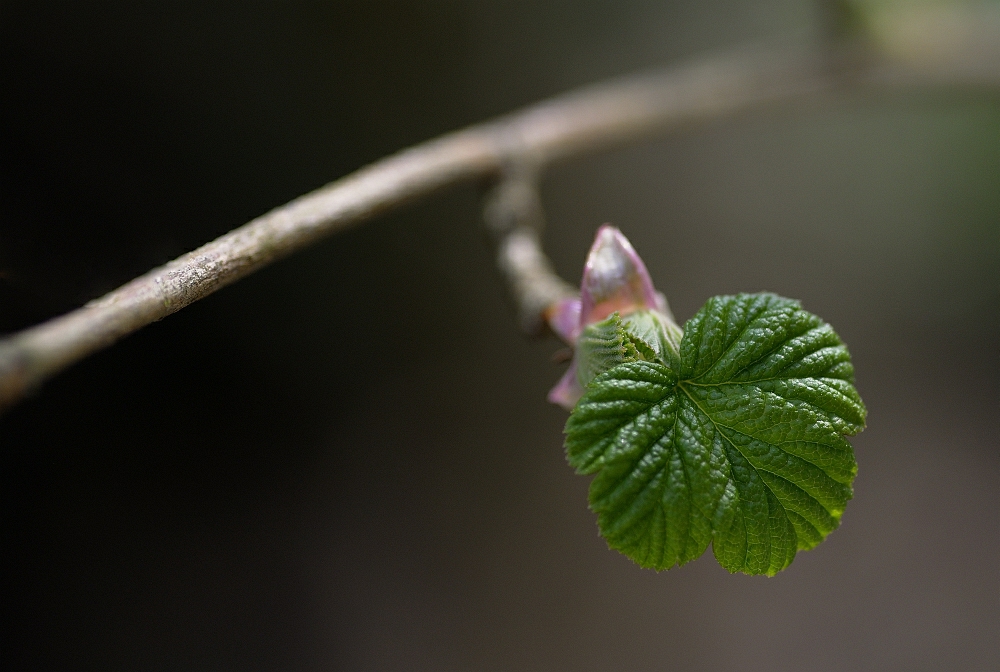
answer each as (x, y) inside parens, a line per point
(514, 216)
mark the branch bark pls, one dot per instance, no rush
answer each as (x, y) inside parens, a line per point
(587, 120)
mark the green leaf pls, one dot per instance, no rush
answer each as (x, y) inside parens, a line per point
(658, 333)
(736, 440)
(604, 345)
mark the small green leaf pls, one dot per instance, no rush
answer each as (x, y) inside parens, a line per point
(736, 438)
(659, 334)
(604, 345)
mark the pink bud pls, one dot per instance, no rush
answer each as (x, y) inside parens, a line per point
(568, 390)
(564, 319)
(614, 279)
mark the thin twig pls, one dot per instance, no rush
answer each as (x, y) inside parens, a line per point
(514, 216)
(584, 121)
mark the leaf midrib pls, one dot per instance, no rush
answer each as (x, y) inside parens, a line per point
(736, 339)
(773, 349)
(717, 425)
(784, 509)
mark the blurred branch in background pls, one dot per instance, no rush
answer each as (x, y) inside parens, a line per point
(873, 46)
(515, 217)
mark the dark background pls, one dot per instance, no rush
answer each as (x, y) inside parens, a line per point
(346, 461)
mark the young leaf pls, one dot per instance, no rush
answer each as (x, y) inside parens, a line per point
(604, 345)
(737, 440)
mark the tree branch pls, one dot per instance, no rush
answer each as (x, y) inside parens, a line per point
(518, 145)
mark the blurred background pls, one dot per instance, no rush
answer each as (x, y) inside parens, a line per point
(346, 461)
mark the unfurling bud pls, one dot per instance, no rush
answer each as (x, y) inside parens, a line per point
(614, 281)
